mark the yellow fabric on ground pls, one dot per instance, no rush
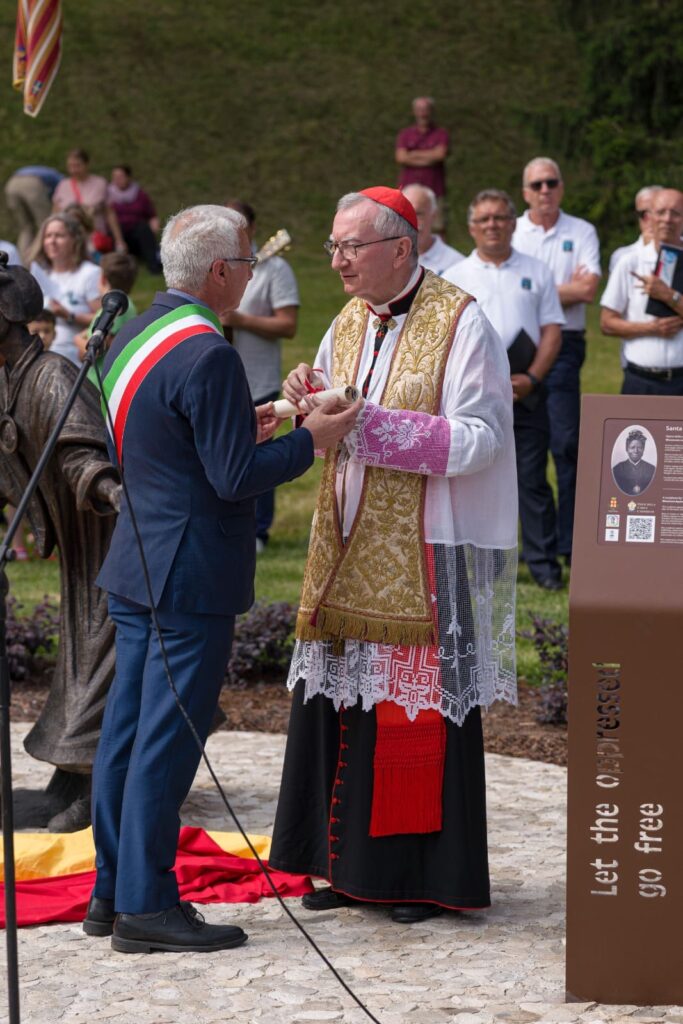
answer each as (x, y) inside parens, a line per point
(46, 854)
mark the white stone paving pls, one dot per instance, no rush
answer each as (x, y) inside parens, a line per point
(505, 965)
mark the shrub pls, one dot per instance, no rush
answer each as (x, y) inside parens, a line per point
(263, 644)
(30, 638)
(551, 642)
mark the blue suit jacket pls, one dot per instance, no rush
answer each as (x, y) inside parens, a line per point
(193, 469)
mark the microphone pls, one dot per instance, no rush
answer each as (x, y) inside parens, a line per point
(114, 303)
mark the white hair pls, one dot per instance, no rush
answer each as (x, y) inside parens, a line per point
(193, 239)
(647, 191)
(386, 223)
(426, 191)
(541, 160)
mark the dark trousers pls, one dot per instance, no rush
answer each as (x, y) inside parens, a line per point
(147, 758)
(564, 405)
(265, 503)
(635, 385)
(536, 499)
(141, 242)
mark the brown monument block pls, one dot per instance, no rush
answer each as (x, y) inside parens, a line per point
(625, 820)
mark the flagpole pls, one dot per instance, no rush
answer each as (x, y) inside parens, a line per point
(8, 811)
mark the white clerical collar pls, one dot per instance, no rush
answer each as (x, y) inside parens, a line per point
(386, 306)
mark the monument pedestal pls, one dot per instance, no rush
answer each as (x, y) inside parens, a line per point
(625, 802)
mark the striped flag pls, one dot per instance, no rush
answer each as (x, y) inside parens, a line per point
(37, 50)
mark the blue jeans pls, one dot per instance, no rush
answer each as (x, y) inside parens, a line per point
(563, 384)
(147, 758)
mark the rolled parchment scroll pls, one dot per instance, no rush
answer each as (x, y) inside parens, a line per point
(348, 393)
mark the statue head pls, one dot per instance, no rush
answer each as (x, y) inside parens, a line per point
(20, 296)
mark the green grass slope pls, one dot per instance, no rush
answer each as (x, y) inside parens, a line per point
(291, 104)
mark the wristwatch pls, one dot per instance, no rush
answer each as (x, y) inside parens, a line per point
(71, 319)
(532, 377)
(675, 297)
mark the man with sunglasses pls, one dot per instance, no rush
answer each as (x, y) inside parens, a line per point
(406, 621)
(570, 247)
(652, 345)
(187, 437)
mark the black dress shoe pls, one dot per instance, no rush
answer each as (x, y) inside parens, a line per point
(550, 583)
(325, 899)
(413, 913)
(180, 929)
(99, 917)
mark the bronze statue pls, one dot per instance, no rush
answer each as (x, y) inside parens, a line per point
(73, 511)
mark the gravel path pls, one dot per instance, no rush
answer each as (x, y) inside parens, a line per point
(503, 965)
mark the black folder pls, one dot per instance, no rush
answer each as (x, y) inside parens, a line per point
(670, 269)
(521, 355)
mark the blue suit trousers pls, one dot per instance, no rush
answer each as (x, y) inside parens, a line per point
(147, 758)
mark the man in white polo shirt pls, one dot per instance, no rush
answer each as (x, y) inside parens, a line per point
(569, 246)
(433, 253)
(643, 203)
(517, 293)
(652, 346)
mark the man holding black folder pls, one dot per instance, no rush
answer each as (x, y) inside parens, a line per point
(518, 295)
(642, 304)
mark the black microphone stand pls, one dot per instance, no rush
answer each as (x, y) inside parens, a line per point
(6, 554)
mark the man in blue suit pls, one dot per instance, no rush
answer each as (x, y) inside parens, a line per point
(187, 436)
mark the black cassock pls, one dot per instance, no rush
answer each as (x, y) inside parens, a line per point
(323, 816)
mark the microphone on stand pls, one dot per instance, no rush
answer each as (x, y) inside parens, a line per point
(114, 303)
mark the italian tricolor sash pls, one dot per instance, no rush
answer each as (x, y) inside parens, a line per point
(142, 353)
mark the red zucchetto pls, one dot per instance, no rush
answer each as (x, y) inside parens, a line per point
(394, 199)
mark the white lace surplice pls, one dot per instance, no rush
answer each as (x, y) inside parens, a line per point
(470, 530)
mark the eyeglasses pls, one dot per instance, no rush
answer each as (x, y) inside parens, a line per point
(251, 260)
(642, 213)
(536, 186)
(349, 250)
(496, 218)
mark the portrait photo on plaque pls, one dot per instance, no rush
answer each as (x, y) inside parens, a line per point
(634, 459)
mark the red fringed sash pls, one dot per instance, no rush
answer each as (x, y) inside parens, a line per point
(408, 772)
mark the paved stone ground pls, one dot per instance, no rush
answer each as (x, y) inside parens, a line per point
(505, 965)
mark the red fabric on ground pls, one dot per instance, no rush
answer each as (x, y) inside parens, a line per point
(205, 873)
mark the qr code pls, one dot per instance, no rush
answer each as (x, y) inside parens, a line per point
(640, 529)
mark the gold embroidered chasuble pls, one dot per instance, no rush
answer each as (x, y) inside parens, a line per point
(375, 587)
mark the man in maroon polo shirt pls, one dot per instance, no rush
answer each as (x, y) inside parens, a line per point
(420, 152)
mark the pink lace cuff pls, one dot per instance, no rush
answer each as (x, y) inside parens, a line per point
(398, 439)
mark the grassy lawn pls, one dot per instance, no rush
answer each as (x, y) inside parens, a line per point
(279, 569)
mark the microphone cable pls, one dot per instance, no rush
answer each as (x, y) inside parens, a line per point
(190, 724)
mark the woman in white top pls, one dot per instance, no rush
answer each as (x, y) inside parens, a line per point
(70, 282)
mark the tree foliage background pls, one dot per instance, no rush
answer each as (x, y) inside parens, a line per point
(291, 105)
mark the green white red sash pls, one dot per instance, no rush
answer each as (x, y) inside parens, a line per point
(143, 352)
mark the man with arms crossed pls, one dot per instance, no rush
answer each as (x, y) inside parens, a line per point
(569, 246)
(406, 623)
(652, 345)
(187, 436)
(518, 294)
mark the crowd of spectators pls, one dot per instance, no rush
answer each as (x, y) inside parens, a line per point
(533, 274)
